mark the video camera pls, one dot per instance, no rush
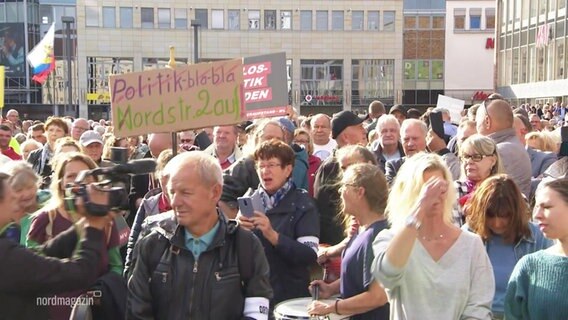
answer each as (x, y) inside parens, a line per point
(110, 180)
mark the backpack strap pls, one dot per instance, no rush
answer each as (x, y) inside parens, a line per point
(244, 242)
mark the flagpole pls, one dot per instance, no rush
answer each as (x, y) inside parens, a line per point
(27, 49)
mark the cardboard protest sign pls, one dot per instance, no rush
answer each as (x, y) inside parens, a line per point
(455, 106)
(169, 100)
(265, 85)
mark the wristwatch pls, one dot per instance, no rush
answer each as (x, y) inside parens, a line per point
(413, 222)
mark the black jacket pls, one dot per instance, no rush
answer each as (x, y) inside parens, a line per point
(377, 149)
(168, 283)
(326, 194)
(27, 275)
(294, 217)
(392, 168)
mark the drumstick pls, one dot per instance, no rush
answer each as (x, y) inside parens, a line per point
(316, 292)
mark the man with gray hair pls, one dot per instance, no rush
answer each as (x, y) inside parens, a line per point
(388, 146)
(228, 277)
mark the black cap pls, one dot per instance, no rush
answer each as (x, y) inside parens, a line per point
(342, 120)
(243, 125)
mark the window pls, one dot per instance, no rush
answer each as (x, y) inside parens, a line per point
(109, 17)
(437, 70)
(180, 18)
(373, 20)
(286, 20)
(98, 71)
(489, 18)
(474, 19)
(306, 20)
(357, 20)
(423, 68)
(147, 18)
(560, 61)
(388, 20)
(459, 19)
(438, 22)
(234, 19)
(424, 22)
(164, 18)
(322, 80)
(269, 19)
(372, 80)
(337, 20)
(202, 18)
(321, 20)
(3, 14)
(254, 19)
(15, 12)
(217, 19)
(126, 18)
(91, 16)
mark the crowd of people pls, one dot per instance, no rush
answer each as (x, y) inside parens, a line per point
(376, 215)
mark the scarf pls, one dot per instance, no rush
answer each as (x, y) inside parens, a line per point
(272, 201)
(163, 203)
(470, 188)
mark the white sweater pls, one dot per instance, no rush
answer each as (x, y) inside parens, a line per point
(459, 286)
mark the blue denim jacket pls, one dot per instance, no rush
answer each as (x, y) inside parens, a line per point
(527, 245)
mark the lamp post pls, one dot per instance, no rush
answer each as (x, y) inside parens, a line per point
(195, 24)
(68, 52)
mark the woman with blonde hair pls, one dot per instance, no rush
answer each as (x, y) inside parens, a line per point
(56, 218)
(364, 194)
(424, 259)
(303, 138)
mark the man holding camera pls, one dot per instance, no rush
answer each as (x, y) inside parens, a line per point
(27, 275)
(195, 264)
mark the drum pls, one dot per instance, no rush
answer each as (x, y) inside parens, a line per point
(297, 309)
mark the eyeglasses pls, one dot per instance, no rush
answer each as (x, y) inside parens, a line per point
(269, 166)
(474, 157)
(186, 140)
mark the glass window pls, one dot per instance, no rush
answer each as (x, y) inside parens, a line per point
(164, 18)
(357, 20)
(410, 70)
(424, 22)
(91, 16)
(217, 19)
(322, 80)
(489, 18)
(286, 20)
(523, 65)
(180, 18)
(3, 13)
(515, 64)
(373, 20)
(234, 19)
(337, 20)
(474, 22)
(306, 20)
(532, 63)
(459, 19)
(388, 20)
(269, 19)
(542, 6)
(524, 12)
(437, 69)
(126, 19)
(321, 20)
(438, 22)
(254, 19)
(147, 18)
(533, 8)
(109, 17)
(202, 18)
(372, 80)
(561, 4)
(14, 12)
(423, 68)
(410, 22)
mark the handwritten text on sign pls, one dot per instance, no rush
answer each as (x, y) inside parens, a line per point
(169, 100)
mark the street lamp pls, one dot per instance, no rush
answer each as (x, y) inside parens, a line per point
(195, 24)
(68, 50)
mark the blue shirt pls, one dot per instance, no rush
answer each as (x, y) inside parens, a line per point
(356, 273)
(198, 245)
(503, 258)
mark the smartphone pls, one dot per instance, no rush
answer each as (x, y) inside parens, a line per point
(202, 140)
(245, 206)
(437, 124)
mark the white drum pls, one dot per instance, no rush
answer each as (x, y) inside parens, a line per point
(297, 309)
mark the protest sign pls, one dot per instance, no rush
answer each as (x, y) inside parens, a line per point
(455, 106)
(186, 97)
(265, 85)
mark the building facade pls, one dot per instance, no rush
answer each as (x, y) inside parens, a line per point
(341, 55)
(469, 50)
(531, 60)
